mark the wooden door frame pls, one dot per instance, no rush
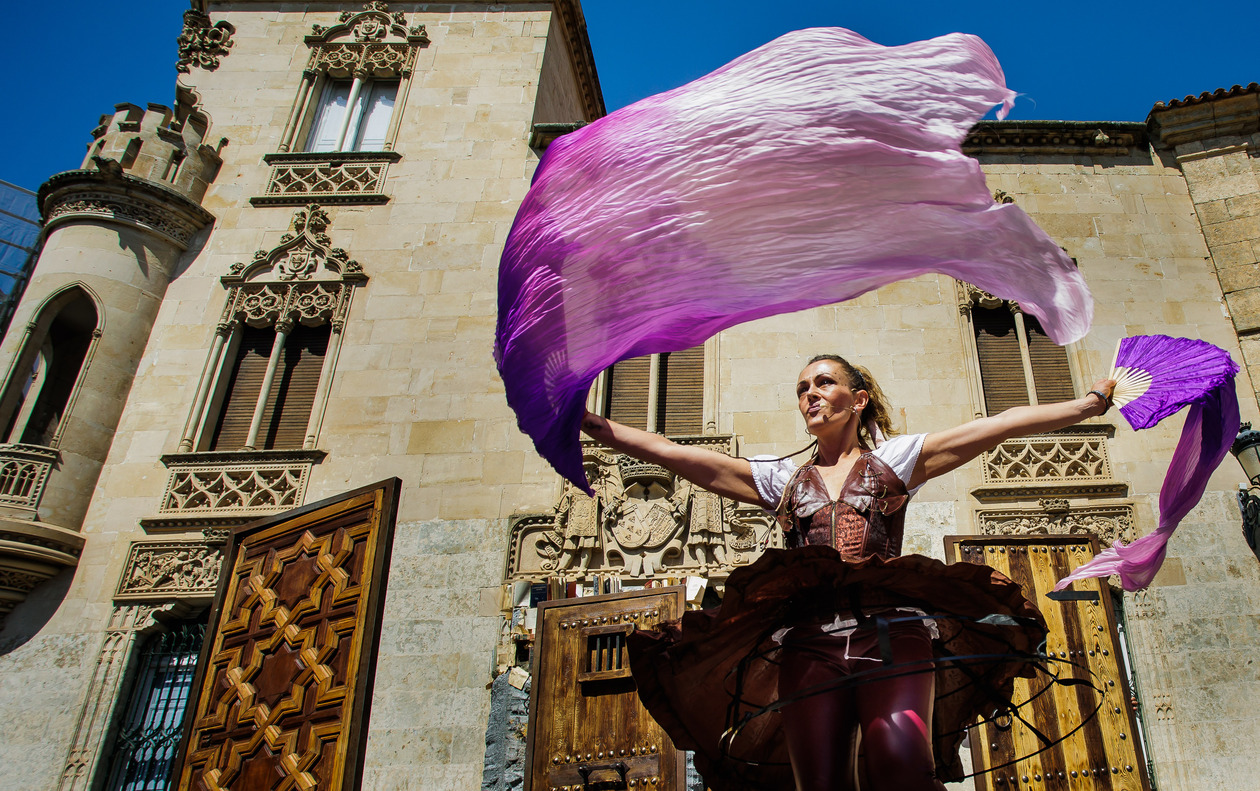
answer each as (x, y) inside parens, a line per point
(390, 488)
(951, 545)
(680, 591)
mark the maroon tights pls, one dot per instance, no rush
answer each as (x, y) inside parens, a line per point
(893, 715)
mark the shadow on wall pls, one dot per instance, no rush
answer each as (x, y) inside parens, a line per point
(32, 615)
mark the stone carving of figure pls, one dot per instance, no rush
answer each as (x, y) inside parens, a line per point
(579, 526)
(706, 531)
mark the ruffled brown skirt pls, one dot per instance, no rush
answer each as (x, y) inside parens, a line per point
(708, 672)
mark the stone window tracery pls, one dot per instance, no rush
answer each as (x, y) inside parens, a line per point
(266, 380)
(339, 138)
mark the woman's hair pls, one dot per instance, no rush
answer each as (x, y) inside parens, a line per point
(876, 409)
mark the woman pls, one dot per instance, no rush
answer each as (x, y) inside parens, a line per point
(848, 498)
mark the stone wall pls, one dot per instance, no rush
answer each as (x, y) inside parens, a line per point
(414, 395)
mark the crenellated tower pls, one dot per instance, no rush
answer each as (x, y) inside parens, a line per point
(114, 234)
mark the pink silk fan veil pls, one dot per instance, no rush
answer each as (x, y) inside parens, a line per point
(807, 172)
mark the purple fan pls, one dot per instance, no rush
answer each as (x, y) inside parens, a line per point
(1157, 375)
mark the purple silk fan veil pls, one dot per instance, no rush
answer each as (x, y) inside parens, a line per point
(1210, 428)
(807, 172)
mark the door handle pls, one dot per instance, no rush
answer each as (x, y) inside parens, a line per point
(586, 770)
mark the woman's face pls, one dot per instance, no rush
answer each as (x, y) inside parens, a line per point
(825, 399)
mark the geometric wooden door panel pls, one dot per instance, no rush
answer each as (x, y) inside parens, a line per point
(283, 688)
(587, 727)
(1104, 751)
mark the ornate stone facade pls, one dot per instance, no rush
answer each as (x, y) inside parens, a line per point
(643, 523)
(1109, 523)
(201, 43)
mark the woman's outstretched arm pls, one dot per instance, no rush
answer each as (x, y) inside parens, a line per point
(721, 474)
(947, 450)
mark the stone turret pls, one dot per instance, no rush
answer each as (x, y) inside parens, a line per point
(115, 232)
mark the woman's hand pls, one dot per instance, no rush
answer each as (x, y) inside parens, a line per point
(1102, 392)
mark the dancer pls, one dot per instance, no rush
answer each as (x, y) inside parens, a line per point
(824, 615)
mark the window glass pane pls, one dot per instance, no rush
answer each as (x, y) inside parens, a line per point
(328, 117)
(377, 106)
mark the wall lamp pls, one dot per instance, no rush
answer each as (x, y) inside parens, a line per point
(1247, 450)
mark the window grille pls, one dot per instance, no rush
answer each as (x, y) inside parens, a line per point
(152, 724)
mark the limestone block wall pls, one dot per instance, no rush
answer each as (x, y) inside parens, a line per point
(1214, 140)
(415, 393)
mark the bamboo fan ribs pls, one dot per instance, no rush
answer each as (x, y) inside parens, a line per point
(1157, 375)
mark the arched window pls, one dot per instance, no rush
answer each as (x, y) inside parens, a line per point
(45, 378)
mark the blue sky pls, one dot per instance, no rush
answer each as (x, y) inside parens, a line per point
(71, 61)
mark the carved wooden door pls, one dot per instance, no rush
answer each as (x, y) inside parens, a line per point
(284, 684)
(1093, 735)
(587, 726)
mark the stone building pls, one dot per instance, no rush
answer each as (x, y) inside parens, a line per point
(282, 290)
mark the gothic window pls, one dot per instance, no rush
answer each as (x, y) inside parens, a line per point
(267, 378)
(339, 138)
(153, 714)
(46, 373)
(657, 392)
(286, 407)
(1018, 363)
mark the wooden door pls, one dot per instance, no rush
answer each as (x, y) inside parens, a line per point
(1104, 752)
(587, 727)
(282, 691)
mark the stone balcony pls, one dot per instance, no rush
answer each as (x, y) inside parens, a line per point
(31, 551)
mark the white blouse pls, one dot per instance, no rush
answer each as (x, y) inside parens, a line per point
(771, 475)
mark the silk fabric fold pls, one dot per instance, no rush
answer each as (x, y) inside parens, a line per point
(807, 172)
(1210, 429)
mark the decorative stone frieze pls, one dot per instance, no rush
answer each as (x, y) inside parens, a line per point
(642, 523)
(1071, 462)
(1109, 523)
(110, 195)
(970, 296)
(220, 489)
(303, 278)
(1055, 137)
(162, 569)
(201, 43)
(344, 177)
(372, 42)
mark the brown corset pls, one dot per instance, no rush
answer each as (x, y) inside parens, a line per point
(868, 519)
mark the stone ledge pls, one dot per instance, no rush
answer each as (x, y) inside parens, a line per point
(1106, 138)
